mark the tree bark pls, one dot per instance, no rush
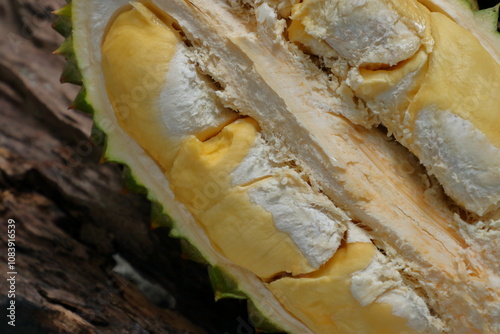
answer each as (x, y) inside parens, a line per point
(86, 260)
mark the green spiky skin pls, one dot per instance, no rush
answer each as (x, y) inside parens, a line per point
(189, 252)
(71, 74)
(130, 184)
(80, 102)
(489, 18)
(224, 285)
(259, 321)
(63, 22)
(66, 50)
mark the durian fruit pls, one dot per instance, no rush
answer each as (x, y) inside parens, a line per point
(335, 162)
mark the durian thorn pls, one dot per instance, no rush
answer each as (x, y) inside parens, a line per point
(66, 48)
(191, 253)
(80, 102)
(63, 26)
(64, 11)
(71, 74)
(223, 285)
(159, 218)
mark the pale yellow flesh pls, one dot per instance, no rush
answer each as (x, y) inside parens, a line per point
(323, 301)
(243, 231)
(134, 77)
(474, 74)
(199, 171)
(453, 63)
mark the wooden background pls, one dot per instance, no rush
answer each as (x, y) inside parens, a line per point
(72, 217)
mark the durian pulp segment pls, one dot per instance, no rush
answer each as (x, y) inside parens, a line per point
(188, 162)
(320, 299)
(238, 218)
(438, 66)
(364, 294)
(269, 221)
(482, 24)
(146, 68)
(243, 231)
(123, 48)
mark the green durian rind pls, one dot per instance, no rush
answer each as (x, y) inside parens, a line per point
(159, 218)
(224, 285)
(488, 18)
(63, 25)
(66, 48)
(191, 253)
(472, 4)
(261, 322)
(131, 184)
(71, 74)
(80, 103)
(63, 22)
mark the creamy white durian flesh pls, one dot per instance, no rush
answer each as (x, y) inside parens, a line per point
(271, 193)
(429, 80)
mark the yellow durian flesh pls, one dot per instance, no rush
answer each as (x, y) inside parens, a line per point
(136, 53)
(199, 170)
(440, 64)
(324, 302)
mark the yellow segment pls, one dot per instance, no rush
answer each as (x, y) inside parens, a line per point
(456, 73)
(296, 33)
(323, 299)
(459, 76)
(309, 44)
(376, 82)
(246, 234)
(463, 78)
(135, 56)
(201, 174)
(243, 231)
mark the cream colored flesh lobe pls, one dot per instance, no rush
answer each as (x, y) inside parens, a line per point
(289, 156)
(403, 60)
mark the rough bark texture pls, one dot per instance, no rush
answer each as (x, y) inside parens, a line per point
(72, 219)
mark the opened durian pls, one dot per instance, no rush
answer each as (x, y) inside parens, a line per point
(337, 161)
